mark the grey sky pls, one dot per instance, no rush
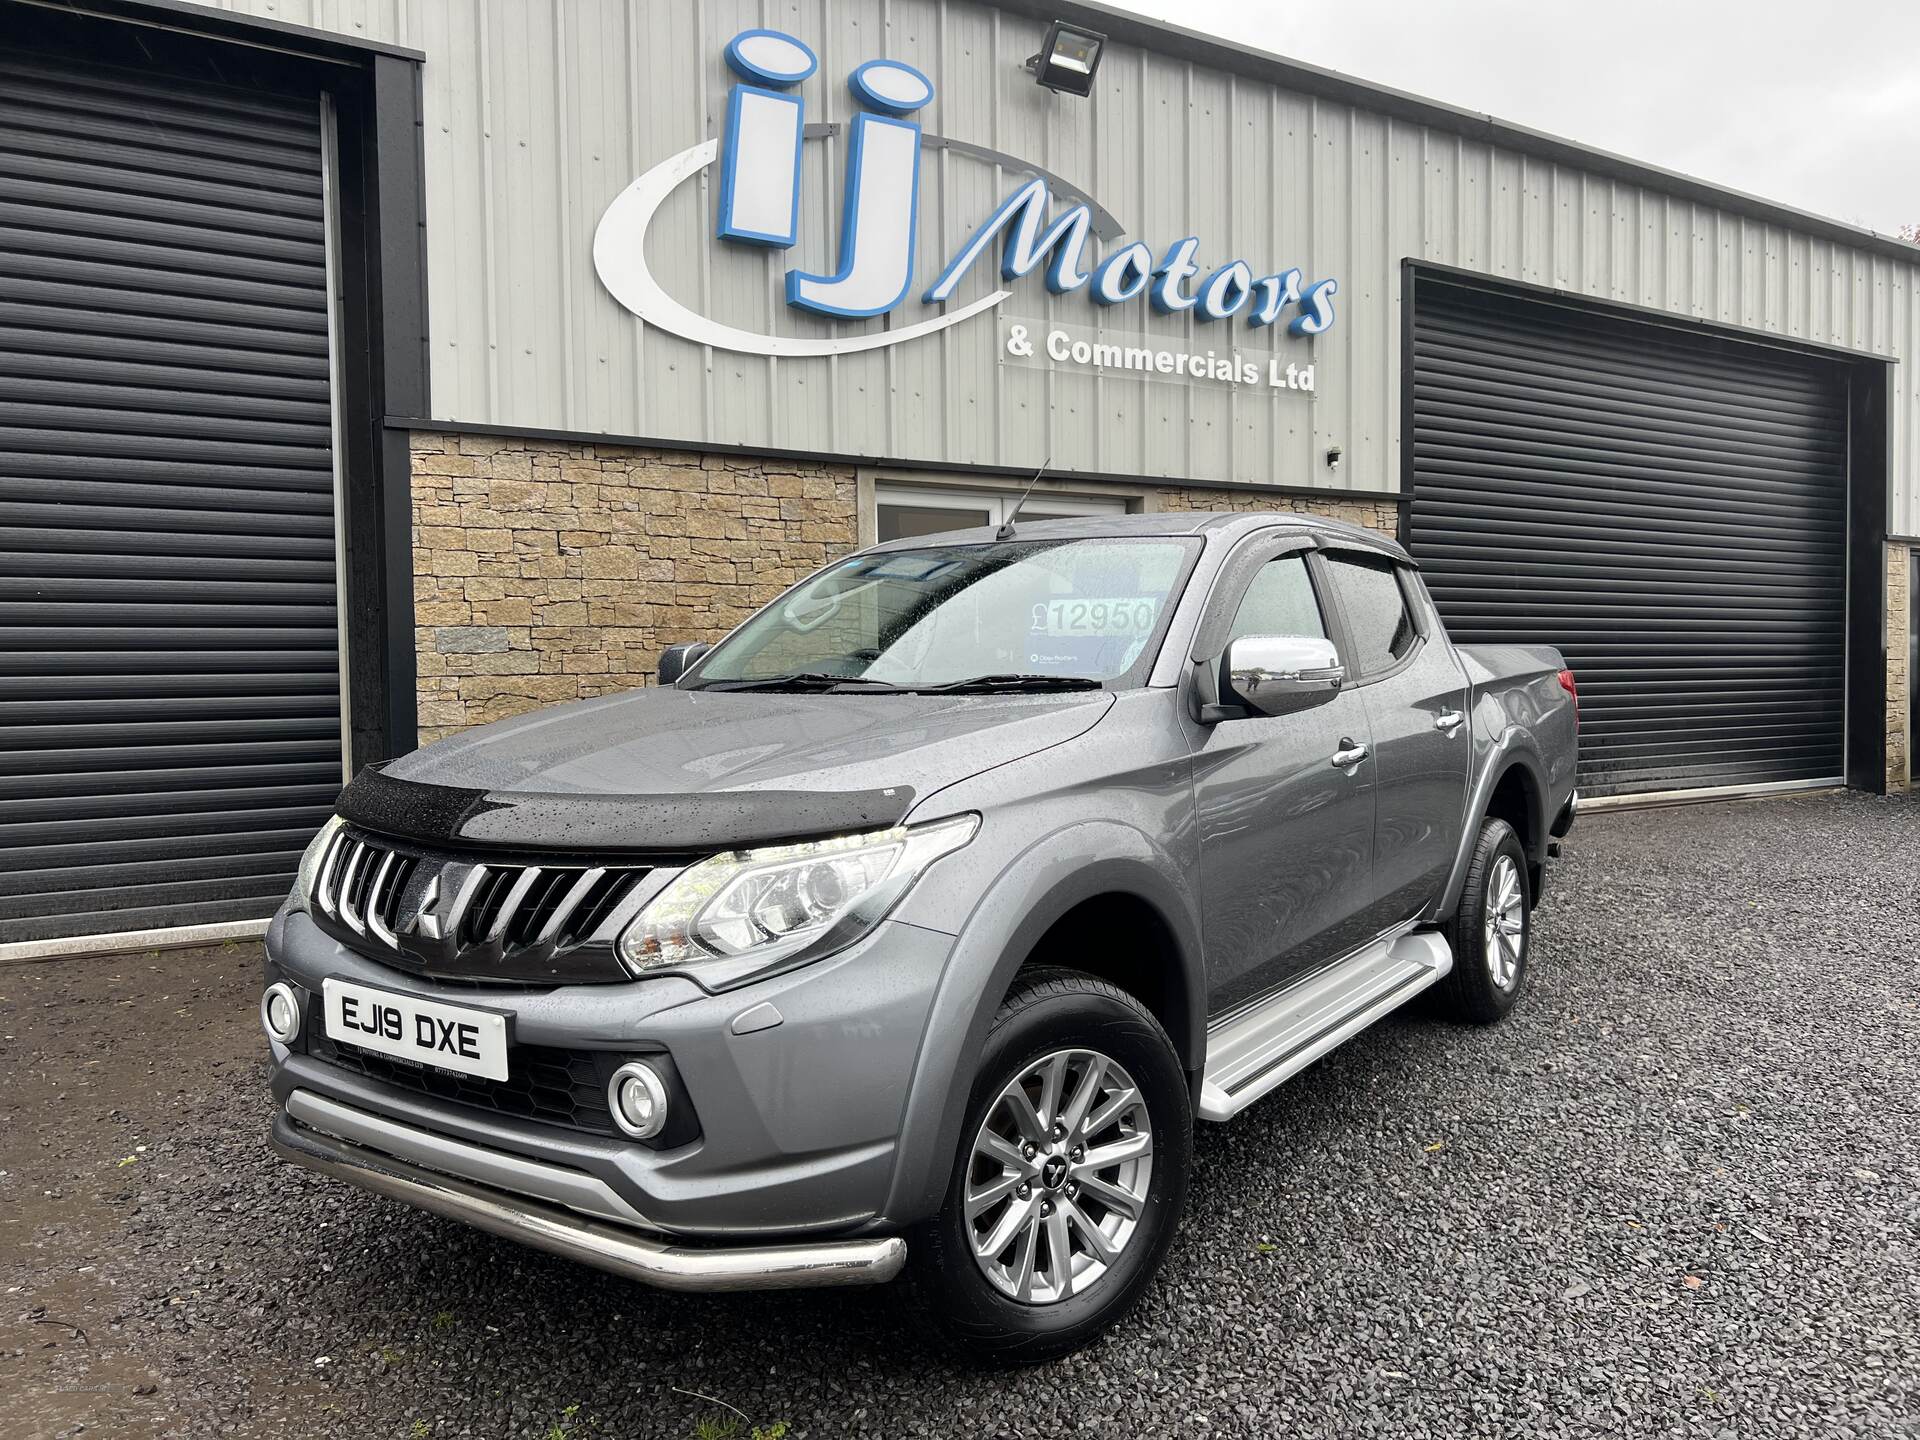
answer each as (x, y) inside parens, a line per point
(1811, 105)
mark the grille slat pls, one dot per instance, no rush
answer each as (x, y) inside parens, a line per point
(528, 921)
(556, 922)
(534, 912)
(383, 904)
(402, 873)
(510, 908)
(482, 920)
(352, 887)
(597, 906)
(325, 892)
(376, 888)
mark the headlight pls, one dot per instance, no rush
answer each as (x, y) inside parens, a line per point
(309, 873)
(762, 906)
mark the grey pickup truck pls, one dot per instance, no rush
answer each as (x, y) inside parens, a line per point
(912, 926)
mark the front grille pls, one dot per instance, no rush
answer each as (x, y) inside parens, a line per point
(545, 922)
(555, 1087)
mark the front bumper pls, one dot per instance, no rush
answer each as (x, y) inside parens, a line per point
(567, 1232)
(798, 1124)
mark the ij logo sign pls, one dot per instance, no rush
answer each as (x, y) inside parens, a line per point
(761, 156)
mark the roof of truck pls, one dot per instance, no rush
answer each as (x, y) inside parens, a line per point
(1225, 525)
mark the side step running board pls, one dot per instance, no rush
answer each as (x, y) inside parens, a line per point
(1250, 1053)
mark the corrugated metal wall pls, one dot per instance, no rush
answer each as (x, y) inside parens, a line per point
(539, 111)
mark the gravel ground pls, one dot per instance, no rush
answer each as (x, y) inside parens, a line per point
(1673, 1195)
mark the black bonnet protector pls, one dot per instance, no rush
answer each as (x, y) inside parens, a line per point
(631, 824)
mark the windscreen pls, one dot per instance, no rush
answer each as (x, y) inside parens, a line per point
(1081, 611)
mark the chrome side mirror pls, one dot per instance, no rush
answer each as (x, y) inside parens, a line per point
(1275, 675)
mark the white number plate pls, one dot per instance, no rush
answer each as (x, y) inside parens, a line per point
(407, 1027)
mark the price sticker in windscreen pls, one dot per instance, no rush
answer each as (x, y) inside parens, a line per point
(1119, 617)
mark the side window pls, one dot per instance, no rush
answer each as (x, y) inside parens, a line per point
(1381, 628)
(1280, 601)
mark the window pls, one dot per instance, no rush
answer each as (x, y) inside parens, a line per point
(1280, 601)
(904, 511)
(1381, 628)
(1084, 611)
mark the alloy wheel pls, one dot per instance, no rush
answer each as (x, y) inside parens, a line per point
(1057, 1177)
(1506, 923)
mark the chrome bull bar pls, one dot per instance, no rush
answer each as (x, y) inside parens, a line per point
(650, 1259)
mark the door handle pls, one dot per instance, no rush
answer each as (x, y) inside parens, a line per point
(1449, 721)
(1348, 755)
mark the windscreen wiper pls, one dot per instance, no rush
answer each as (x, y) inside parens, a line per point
(818, 681)
(1012, 683)
(803, 680)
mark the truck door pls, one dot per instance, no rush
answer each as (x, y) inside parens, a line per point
(1415, 693)
(1286, 834)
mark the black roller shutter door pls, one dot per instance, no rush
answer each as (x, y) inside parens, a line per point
(169, 667)
(1669, 509)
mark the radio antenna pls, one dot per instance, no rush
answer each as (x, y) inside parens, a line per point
(1005, 532)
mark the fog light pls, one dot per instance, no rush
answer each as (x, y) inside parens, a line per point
(280, 1013)
(638, 1098)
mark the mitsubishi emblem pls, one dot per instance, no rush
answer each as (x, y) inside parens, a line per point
(425, 919)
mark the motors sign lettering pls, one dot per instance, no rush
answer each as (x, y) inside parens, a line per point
(761, 154)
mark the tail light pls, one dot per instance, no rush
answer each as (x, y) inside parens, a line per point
(1565, 677)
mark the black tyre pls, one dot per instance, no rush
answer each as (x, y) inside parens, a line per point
(1492, 932)
(1071, 1175)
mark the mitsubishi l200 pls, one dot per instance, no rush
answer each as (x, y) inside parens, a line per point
(913, 925)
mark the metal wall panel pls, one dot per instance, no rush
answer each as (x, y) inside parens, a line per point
(169, 669)
(540, 110)
(1669, 511)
